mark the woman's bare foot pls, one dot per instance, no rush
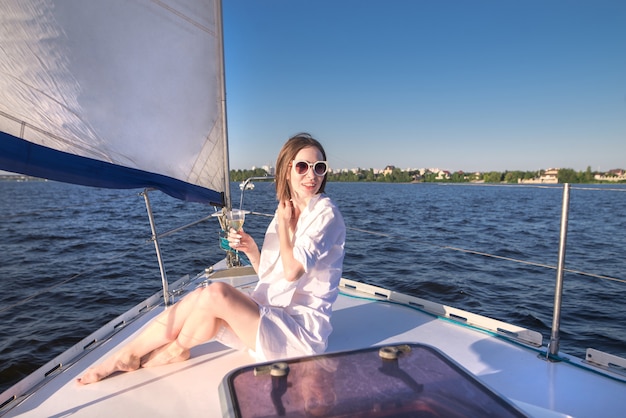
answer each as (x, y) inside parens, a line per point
(109, 366)
(169, 353)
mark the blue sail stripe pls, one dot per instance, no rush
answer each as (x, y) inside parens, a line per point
(20, 156)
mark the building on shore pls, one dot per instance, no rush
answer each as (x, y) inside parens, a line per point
(611, 175)
(550, 176)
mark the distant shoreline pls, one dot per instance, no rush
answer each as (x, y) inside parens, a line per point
(19, 178)
(334, 179)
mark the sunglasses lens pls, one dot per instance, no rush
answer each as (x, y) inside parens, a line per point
(320, 168)
(301, 167)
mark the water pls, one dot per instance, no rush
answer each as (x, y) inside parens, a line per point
(81, 256)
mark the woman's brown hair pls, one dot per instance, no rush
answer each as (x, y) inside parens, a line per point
(286, 156)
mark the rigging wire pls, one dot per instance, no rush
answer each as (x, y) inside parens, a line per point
(475, 252)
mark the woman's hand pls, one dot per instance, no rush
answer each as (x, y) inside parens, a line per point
(241, 241)
(287, 214)
(287, 219)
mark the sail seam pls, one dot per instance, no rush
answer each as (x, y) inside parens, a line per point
(184, 17)
(25, 125)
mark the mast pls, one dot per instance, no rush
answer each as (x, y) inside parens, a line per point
(222, 86)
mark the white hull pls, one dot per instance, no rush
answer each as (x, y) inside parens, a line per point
(361, 319)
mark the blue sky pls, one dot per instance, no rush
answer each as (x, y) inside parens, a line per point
(471, 85)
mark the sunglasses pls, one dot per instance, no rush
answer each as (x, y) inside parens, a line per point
(302, 167)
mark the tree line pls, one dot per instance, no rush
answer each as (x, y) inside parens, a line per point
(565, 175)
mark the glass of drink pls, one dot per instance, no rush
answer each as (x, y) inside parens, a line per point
(235, 219)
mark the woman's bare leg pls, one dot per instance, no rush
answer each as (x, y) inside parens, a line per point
(169, 353)
(192, 321)
(220, 305)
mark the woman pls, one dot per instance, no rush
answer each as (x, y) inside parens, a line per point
(299, 268)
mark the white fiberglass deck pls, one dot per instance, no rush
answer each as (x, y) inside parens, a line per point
(538, 387)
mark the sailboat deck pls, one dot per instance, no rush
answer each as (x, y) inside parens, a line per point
(514, 370)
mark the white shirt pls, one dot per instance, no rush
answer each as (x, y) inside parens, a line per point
(295, 316)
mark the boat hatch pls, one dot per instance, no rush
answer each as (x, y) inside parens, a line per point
(398, 380)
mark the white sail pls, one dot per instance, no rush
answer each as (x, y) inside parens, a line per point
(115, 93)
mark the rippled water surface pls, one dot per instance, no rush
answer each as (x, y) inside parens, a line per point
(73, 258)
